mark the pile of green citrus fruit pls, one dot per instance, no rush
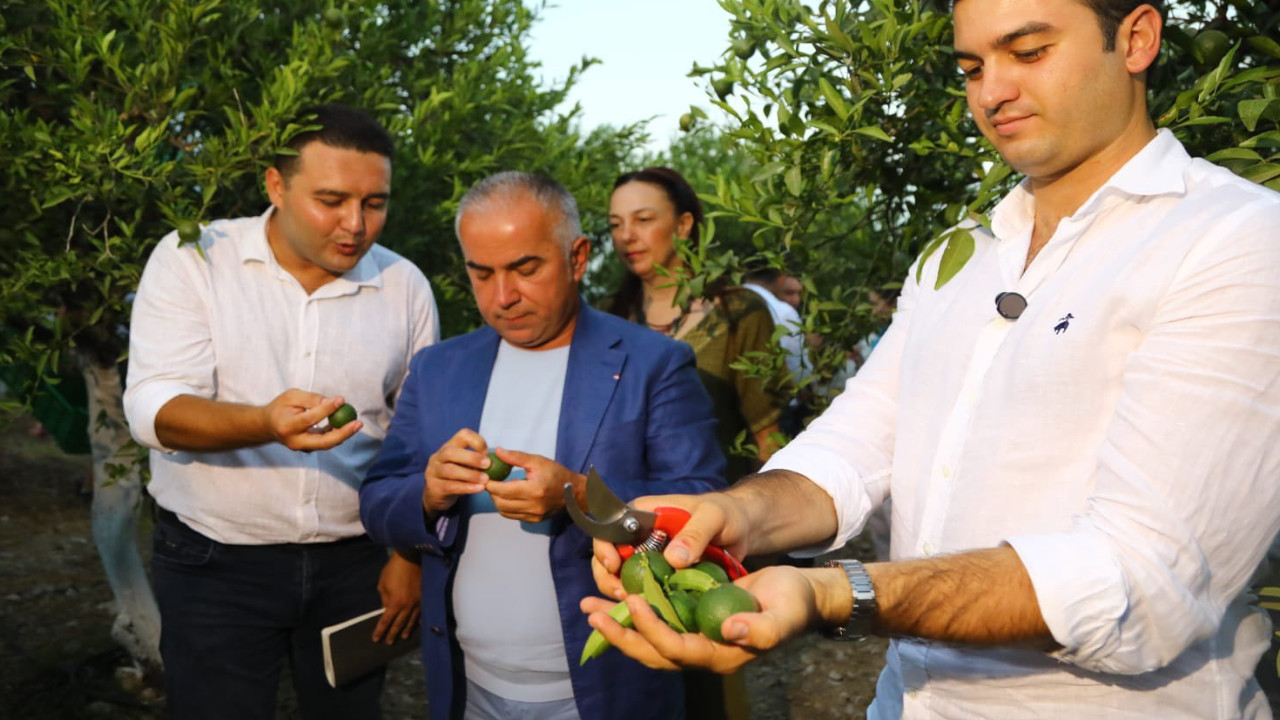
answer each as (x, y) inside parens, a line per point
(696, 599)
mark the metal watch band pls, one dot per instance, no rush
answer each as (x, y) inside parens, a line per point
(862, 620)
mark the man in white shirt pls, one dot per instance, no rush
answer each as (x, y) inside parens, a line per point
(1083, 476)
(241, 344)
(766, 283)
(763, 283)
(554, 387)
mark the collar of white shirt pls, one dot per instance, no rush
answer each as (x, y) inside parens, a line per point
(256, 248)
(1158, 169)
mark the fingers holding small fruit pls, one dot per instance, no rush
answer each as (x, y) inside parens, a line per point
(788, 604)
(540, 494)
(457, 468)
(291, 416)
(666, 610)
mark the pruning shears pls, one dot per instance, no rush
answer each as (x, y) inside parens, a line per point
(632, 530)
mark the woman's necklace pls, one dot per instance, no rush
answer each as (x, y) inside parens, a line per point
(668, 329)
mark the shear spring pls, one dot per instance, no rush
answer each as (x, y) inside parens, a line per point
(656, 541)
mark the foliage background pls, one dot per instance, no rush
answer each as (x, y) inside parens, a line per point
(848, 150)
(121, 119)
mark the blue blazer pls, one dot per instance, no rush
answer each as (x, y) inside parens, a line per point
(633, 407)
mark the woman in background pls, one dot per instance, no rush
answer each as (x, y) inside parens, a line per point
(652, 210)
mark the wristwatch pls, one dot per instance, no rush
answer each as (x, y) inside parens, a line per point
(862, 619)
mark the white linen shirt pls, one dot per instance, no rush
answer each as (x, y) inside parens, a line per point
(1122, 435)
(234, 326)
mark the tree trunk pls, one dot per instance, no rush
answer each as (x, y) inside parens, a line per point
(117, 491)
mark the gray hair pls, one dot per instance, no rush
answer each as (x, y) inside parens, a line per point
(507, 185)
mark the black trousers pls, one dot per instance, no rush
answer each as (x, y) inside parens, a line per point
(232, 614)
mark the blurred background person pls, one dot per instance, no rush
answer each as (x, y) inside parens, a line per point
(650, 213)
(772, 284)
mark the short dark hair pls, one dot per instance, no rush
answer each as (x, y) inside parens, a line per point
(763, 275)
(1110, 14)
(340, 126)
(678, 190)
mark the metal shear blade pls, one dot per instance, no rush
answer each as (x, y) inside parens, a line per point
(610, 519)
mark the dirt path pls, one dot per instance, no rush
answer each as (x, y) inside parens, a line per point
(57, 660)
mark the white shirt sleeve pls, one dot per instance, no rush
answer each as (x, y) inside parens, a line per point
(1183, 500)
(170, 345)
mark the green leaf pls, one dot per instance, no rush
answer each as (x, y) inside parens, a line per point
(1251, 111)
(795, 183)
(959, 249)
(834, 99)
(654, 596)
(1234, 154)
(875, 132)
(1261, 173)
(1264, 44)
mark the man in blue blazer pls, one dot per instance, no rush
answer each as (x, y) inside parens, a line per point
(553, 388)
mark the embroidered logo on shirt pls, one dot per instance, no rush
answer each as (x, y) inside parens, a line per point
(1061, 327)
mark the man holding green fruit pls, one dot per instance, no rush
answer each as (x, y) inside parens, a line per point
(1079, 431)
(551, 388)
(240, 348)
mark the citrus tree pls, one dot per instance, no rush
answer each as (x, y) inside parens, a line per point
(121, 121)
(863, 156)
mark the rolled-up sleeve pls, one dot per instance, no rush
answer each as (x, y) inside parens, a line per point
(1185, 499)
(170, 344)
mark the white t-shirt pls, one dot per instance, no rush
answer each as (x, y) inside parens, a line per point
(504, 597)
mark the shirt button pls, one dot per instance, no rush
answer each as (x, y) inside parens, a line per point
(946, 471)
(435, 630)
(928, 549)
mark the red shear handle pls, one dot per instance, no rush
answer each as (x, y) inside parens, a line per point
(671, 520)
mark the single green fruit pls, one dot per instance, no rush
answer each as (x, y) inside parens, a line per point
(686, 609)
(334, 18)
(722, 87)
(497, 470)
(342, 416)
(188, 231)
(633, 570)
(717, 604)
(744, 48)
(716, 572)
(1210, 46)
(686, 122)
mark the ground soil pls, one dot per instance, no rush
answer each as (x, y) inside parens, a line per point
(58, 662)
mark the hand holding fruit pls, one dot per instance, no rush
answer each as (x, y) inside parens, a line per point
(786, 596)
(456, 469)
(715, 518)
(290, 417)
(540, 494)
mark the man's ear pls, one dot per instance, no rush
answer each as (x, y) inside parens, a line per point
(1138, 37)
(275, 186)
(579, 251)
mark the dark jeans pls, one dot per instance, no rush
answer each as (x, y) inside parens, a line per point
(230, 615)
